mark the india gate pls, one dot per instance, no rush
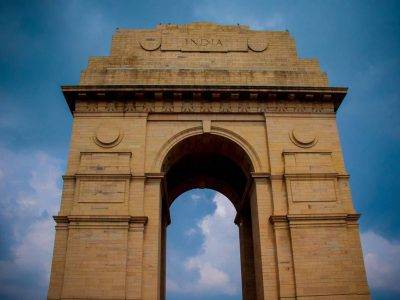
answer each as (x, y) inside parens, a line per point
(202, 105)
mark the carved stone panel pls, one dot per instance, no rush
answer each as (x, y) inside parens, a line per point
(203, 43)
(313, 190)
(102, 191)
(105, 163)
(308, 163)
(309, 195)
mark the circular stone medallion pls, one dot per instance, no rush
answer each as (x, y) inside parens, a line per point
(150, 43)
(108, 135)
(303, 138)
(257, 44)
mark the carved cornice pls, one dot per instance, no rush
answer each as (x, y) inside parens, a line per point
(129, 153)
(344, 176)
(108, 175)
(315, 217)
(103, 175)
(310, 175)
(194, 99)
(260, 175)
(353, 217)
(278, 219)
(289, 152)
(138, 220)
(60, 219)
(277, 176)
(322, 217)
(155, 176)
(68, 177)
(124, 219)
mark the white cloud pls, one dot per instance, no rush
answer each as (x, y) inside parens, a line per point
(227, 12)
(382, 261)
(216, 267)
(35, 249)
(30, 189)
(211, 278)
(190, 232)
(195, 197)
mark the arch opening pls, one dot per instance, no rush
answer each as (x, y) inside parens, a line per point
(213, 162)
(207, 160)
(202, 227)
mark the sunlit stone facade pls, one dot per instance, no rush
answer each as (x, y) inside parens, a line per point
(203, 105)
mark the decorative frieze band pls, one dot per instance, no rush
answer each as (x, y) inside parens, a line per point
(193, 106)
(197, 99)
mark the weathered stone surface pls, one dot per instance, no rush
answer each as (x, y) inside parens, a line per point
(204, 105)
(203, 53)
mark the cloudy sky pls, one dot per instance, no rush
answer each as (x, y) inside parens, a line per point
(44, 44)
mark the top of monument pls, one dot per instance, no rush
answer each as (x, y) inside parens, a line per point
(203, 54)
(203, 25)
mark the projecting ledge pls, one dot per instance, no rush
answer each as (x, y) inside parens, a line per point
(320, 218)
(101, 219)
(215, 93)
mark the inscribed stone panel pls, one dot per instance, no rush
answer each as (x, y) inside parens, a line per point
(104, 163)
(102, 191)
(308, 162)
(313, 190)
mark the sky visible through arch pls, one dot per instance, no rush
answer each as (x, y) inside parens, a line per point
(203, 258)
(44, 44)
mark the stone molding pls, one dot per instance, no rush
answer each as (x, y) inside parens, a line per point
(202, 99)
(101, 219)
(203, 107)
(155, 176)
(260, 175)
(311, 219)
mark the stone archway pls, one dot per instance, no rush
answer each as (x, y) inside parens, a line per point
(214, 162)
(194, 105)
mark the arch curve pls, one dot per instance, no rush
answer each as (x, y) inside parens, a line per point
(207, 160)
(198, 130)
(244, 144)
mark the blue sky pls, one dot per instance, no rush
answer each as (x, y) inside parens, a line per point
(44, 44)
